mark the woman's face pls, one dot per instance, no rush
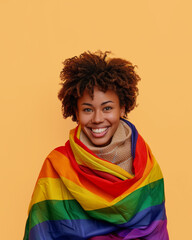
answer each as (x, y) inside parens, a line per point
(99, 117)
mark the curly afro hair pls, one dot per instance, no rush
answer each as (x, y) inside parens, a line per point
(97, 69)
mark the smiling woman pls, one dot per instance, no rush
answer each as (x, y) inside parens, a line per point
(104, 183)
(99, 116)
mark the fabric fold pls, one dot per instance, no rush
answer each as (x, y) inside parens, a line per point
(81, 196)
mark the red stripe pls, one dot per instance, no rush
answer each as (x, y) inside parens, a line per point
(102, 180)
(116, 188)
(100, 174)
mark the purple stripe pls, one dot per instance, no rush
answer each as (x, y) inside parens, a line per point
(156, 231)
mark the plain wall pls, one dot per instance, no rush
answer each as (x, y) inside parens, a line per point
(36, 37)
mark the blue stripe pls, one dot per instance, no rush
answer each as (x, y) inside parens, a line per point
(147, 216)
(134, 136)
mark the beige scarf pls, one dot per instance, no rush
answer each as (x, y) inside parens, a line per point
(118, 151)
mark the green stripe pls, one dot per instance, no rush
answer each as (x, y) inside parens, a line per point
(124, 210)
(26, 235)
(121, 212)
(55, 210)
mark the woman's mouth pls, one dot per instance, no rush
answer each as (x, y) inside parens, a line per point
(98, 132)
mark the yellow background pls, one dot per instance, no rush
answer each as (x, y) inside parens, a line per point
(37, 35)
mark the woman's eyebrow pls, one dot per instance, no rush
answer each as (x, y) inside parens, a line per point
(89, 104)
(106, 102)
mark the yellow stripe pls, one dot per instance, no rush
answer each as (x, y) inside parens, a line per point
(65, 189)
(50, 189)
(91, 201)
(68, 186)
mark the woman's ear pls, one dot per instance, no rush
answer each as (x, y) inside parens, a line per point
(122, 111)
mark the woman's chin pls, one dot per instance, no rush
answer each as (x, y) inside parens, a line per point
(99, 142)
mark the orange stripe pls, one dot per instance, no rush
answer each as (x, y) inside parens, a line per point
(47, 170)
(68, 172)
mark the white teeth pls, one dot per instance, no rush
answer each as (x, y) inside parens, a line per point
(98, 130)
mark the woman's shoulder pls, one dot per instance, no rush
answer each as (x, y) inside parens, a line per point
(57, 151)
(53, 162)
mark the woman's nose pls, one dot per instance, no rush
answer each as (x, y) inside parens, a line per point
(97, 117)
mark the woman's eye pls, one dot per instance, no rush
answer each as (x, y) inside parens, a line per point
(87, 109)
(107, 108)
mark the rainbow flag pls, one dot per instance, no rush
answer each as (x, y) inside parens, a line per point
(80, 196)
